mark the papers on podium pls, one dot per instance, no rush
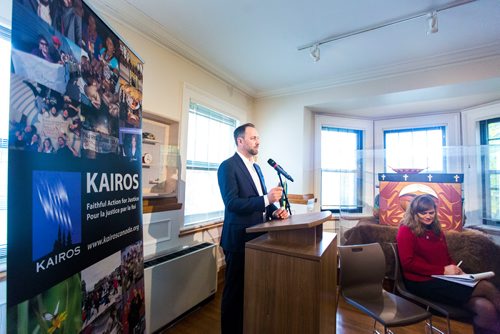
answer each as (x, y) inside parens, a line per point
(466, 279)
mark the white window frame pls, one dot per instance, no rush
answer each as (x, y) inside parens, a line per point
(486, 171)
(451, 122)
(366, 126)
(411, 151)
(192, 93)
(471, 117)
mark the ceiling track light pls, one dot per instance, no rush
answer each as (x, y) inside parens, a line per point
(432, 23)
(432, 26)
(315, 52)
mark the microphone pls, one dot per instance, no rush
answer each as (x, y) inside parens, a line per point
(279, 169)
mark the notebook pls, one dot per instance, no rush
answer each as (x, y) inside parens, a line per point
(467, 279)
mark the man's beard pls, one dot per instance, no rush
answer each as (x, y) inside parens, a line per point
(253, 151)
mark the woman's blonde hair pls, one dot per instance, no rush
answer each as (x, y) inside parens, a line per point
(420, 204)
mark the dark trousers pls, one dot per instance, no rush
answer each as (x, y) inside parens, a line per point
(232, 296)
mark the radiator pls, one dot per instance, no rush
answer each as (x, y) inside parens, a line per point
(177, 282)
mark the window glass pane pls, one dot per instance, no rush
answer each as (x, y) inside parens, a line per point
(3, 194)
(212, 134)
(330, 189)
(415, 148)
(494, 131)
(336, 144)
(494, 201)
(203, 200)
(210, 141)
(5, 87)
(490, 136)
(331, 194)
(494, 157)
(340, 168)
(4, 128)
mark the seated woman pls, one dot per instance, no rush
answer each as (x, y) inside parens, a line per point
(423, 252)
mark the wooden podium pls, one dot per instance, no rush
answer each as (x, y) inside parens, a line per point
(291, 277)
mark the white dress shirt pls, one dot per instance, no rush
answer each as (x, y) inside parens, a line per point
(255, 177)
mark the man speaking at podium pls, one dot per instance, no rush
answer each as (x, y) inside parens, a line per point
(247, 203)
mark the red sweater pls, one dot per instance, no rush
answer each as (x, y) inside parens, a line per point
(422, 256)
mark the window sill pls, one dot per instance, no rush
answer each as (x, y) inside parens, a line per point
(159, 204)
(488, 229)
(199, 228)
(307, 199)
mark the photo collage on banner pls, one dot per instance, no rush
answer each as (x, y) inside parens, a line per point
(75, 252)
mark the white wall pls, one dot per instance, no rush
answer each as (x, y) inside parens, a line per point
(282, 132)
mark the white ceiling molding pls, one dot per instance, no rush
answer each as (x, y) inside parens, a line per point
(464, 56)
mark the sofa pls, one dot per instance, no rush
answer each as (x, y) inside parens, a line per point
(477, 251)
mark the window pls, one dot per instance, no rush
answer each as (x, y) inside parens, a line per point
(341, 169)
(209, 142)
(4, 122)
(415, 148)
(490, 165)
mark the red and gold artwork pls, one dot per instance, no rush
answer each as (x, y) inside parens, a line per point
(397, 191)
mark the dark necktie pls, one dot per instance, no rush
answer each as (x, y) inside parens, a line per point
(261, 178)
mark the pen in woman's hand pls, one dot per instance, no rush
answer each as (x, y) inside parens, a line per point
(459, 263)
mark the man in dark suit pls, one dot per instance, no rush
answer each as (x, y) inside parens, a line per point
(247, 203)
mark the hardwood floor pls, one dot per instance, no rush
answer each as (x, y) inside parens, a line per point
(206, 320)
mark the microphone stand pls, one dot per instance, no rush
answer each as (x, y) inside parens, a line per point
(287, 203)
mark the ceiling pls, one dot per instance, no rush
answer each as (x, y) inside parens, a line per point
(252, 45)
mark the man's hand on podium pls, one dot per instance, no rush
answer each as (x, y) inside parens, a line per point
(281, 213)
